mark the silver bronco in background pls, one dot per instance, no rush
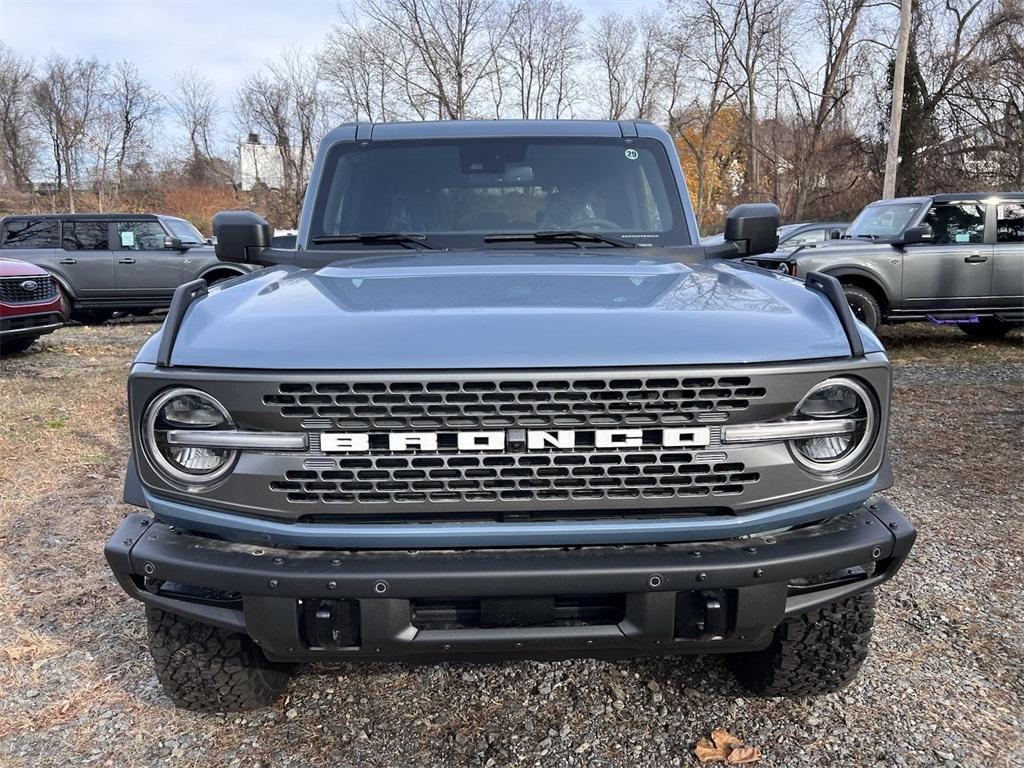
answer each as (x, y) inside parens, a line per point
(499, 402)
(951, 259)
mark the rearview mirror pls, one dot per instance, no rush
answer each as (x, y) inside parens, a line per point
(240, 236)
(753, 227)
(922, 233)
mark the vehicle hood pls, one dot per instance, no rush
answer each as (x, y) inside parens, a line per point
(508, 309)
(15, 268)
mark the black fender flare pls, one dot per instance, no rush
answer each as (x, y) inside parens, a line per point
(866, 274)
(63, 283)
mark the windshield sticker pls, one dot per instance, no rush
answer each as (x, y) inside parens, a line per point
(632, 154)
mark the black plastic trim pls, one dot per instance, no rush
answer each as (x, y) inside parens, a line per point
(832, 290)
(184, 296)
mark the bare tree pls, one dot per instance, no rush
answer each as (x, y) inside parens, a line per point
(359, 62)
(287, 103)
(66, 98)
(536, 60)
(453, 47)
(19, 147)
(134, 106)
(195, 107)
(611, 48)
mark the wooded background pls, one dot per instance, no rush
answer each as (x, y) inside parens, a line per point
(766, 100)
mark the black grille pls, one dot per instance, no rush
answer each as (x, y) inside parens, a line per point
(576, 476)
(12, 290)
(469, 404)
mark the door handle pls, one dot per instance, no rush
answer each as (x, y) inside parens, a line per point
(126, 261)
(975, 258)
(69, 261)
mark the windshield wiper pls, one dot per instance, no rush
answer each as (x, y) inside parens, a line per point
(406, 239)
(559, 236)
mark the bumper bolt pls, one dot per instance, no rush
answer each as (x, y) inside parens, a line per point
(655, 581)
(332, 585)
(143, 522)
(335, 561)
(127, 542)
(278, 560)
(149, 568)
(702, 577)
(894, 526)
(380, 587)
(751, 550)
(272, 583)
(758, 573)
(695, 554)
(876, 553)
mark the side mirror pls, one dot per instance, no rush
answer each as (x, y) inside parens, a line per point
(835, 234)
(753, 227)
(240, 236)
(174, 244)
(915, 235)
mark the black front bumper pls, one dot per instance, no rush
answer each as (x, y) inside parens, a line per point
(710, 597)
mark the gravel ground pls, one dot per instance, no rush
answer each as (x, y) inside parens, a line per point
(944, 684)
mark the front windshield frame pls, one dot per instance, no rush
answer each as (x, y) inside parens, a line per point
(666, 198)
(908, 215)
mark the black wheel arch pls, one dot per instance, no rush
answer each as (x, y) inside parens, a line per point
(220, 272)
(865, 279)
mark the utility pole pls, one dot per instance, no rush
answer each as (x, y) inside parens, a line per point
(898, 71)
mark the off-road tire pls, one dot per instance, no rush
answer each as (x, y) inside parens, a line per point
(811, 654)
(864, 305)
(988, 328)
(208, 669)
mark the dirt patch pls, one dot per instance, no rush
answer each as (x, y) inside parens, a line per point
(944, 684)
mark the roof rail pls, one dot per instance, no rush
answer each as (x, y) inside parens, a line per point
(832, 289)
(184, 295)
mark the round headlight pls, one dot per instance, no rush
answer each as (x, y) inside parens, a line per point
(852, 408)
(186, 409)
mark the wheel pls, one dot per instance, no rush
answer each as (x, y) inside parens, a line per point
(93, 316)
(864, 305)
(208, 669)
(987, 328)
(19, 344)
(811, 654)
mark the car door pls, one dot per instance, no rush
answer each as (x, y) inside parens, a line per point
(954, 270)
(146, 268)
(86, 258)
(1008, 255)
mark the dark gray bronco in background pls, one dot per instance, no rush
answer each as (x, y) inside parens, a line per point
(952, 258)
(114, 262)
(500, 403)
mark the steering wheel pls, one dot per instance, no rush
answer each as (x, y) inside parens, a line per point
(587, 224)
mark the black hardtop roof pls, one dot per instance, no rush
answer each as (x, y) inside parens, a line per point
(90, 216)
(953, 197)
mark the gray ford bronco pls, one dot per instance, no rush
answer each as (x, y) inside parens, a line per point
(498, 403)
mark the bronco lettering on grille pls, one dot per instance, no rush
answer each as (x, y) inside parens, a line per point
(514, 440)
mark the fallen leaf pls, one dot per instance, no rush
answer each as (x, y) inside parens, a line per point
(725, 740)
(707, 752)
(742, 755)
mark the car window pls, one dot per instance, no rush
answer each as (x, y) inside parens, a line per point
(139, 236)
(883, 221)
(1010, 223)
(808, 236)
(31, 233)
(85, 236)
(956, 223)
(184, 231)
(459, 191)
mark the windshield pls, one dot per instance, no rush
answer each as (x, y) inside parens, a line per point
(184, 231)
(454, 193)
(884, 221)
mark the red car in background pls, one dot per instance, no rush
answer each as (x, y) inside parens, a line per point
(30, 305)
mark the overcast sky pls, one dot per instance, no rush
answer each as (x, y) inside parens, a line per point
(224, 40)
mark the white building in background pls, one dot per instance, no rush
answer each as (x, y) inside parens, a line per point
(259, 163)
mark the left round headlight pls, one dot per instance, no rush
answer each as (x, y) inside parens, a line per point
(850, 406)
(186, 409)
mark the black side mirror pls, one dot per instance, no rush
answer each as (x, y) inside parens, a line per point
(922, 233)
(754, 228)
(174, 244)
(240, 236)
(835, 234)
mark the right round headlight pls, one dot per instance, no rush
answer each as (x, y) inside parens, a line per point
(178, 410)
(852, 408)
